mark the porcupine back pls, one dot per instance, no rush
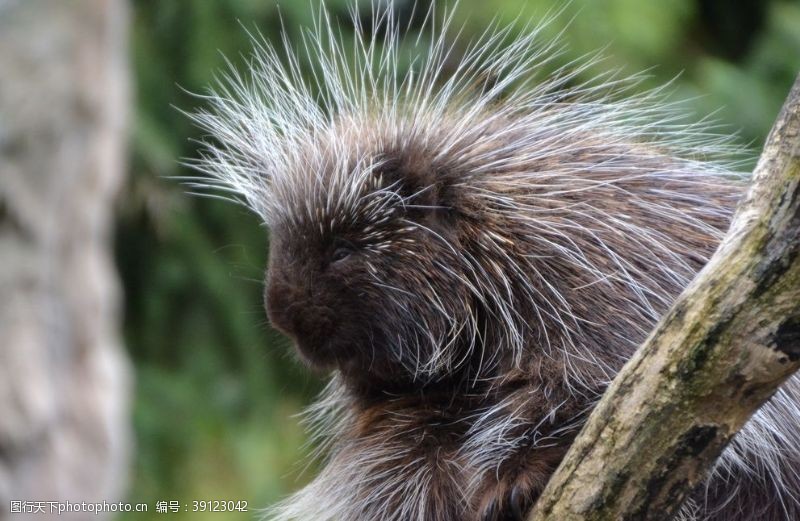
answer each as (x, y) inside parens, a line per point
(519, 238)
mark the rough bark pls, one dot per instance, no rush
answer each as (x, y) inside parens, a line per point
(721, 352)
(64, 379)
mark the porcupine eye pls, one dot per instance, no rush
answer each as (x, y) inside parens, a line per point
(341, 251)
(340, 254)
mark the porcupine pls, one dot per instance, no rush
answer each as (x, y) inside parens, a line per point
(472, 252)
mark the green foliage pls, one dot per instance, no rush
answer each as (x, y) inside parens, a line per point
(216, 387)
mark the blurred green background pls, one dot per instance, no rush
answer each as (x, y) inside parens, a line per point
(217, 389)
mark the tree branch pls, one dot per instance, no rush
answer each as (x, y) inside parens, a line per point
(720, 353)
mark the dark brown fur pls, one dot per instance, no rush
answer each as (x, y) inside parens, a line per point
(473, 259)
(321, 294)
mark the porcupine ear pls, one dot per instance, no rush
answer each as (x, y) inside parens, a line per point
(423, 188)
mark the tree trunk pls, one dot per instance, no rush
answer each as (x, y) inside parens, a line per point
(720, 353)
(64, 378)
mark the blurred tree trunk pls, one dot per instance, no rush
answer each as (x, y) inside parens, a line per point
(64, 378)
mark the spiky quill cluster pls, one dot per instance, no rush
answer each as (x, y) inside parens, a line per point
(516, 236)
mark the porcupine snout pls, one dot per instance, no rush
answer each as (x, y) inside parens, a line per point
(297, 309)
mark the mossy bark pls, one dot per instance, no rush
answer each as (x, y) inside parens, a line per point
(720, 353)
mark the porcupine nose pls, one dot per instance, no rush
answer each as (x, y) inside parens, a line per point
(280, 299)
(294, 311)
